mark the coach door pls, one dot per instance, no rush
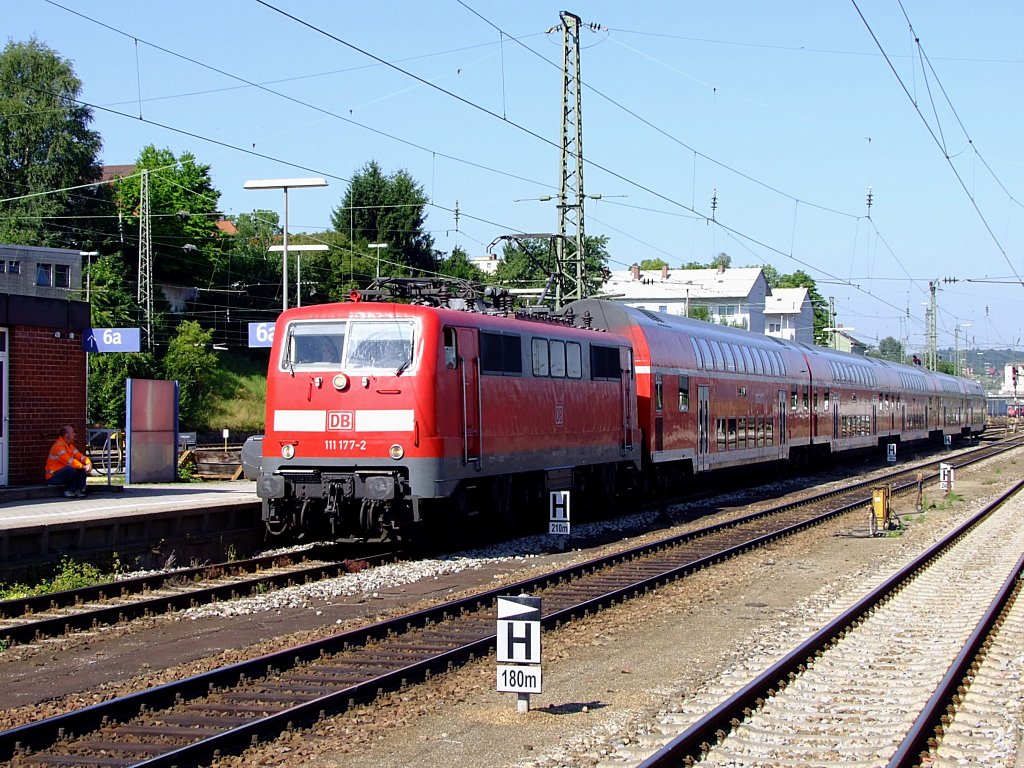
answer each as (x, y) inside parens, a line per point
(703, 427)
(3, 406)
(468, 362)
(783, 423)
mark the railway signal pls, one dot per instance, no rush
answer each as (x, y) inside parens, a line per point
(518, 650)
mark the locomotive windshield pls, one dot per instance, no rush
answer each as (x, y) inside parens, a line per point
(379, 345)
(371, 345)
(314, 345)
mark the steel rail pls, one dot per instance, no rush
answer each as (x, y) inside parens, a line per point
(694, 741)
(46, 732)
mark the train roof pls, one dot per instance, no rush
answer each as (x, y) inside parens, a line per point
(617, 317)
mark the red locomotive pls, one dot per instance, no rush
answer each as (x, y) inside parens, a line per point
(382, 416)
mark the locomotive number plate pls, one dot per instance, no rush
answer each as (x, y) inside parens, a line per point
(345, 445)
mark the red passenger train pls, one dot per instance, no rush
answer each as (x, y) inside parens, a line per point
(384, 416)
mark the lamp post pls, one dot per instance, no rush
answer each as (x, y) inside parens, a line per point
(284, 184)
(299, 250)
(88, 274)
(376, 247)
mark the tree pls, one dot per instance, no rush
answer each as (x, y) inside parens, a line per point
(46, 146)
(650, 264)
(250, 267)
(387, 209)
(193, 363)
(188, 249)
(890, 349)
(530, 263)
(107, 375)
(458, 265)
(721, 261)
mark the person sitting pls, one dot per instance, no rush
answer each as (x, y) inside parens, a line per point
(66, 465)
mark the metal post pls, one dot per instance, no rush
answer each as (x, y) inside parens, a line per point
(284, 256)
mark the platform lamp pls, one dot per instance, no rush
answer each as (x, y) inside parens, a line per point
(298, 250)
(284, 184)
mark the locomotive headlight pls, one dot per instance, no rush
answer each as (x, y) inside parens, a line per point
(288, 451)
(396, 451)
(340, 381)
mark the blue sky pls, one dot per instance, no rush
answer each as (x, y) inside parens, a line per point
(787, 112)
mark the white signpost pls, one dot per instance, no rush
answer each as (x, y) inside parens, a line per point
(947, 477)
(518, 651)
(891, 458)
(559, 518)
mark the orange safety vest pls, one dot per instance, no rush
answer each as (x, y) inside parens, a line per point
(63, 454)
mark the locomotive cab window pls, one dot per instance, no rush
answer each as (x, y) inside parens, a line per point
(314, 345)
(451, 349)
(379, 345)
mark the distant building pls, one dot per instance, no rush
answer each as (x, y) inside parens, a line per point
(733, 296)
(788, 314)
(42, 362)
(488, 263)
(844, 342)
(30, 270)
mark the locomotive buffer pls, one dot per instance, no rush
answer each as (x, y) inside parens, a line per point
(518, 651)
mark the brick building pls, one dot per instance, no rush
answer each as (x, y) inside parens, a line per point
(42, 363)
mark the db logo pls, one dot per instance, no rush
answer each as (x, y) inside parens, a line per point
(340, 420)
(559, 415)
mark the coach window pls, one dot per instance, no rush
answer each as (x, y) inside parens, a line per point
(709, 359)
(573, 360)
(539, 350)
(806, 395)
(659, 393)
(697, 353)
(684, 394)
(741, 366)
(716, 350)
(556, 352)
(604, 362)
(730, 361)
(501, 354)
(749, 360)
(794, 398)
(759, 363)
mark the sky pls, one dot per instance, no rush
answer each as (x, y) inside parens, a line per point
(786, 115)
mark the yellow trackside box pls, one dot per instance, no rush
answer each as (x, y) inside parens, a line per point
(880, 511)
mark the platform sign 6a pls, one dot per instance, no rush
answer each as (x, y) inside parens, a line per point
(261, 334)
(558, 522)
(112, 340)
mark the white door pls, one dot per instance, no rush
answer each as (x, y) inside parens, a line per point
(3, 406)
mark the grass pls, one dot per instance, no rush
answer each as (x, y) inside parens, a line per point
(240, 394)
(70, 575)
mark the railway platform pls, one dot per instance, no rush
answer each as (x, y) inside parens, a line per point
(147, 524)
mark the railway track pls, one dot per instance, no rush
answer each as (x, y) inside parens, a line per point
(31, 619)
(191, 721)
(890, 681)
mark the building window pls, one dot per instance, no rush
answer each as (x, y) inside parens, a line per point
(774, 327)
(62, 275)
(44, 274)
